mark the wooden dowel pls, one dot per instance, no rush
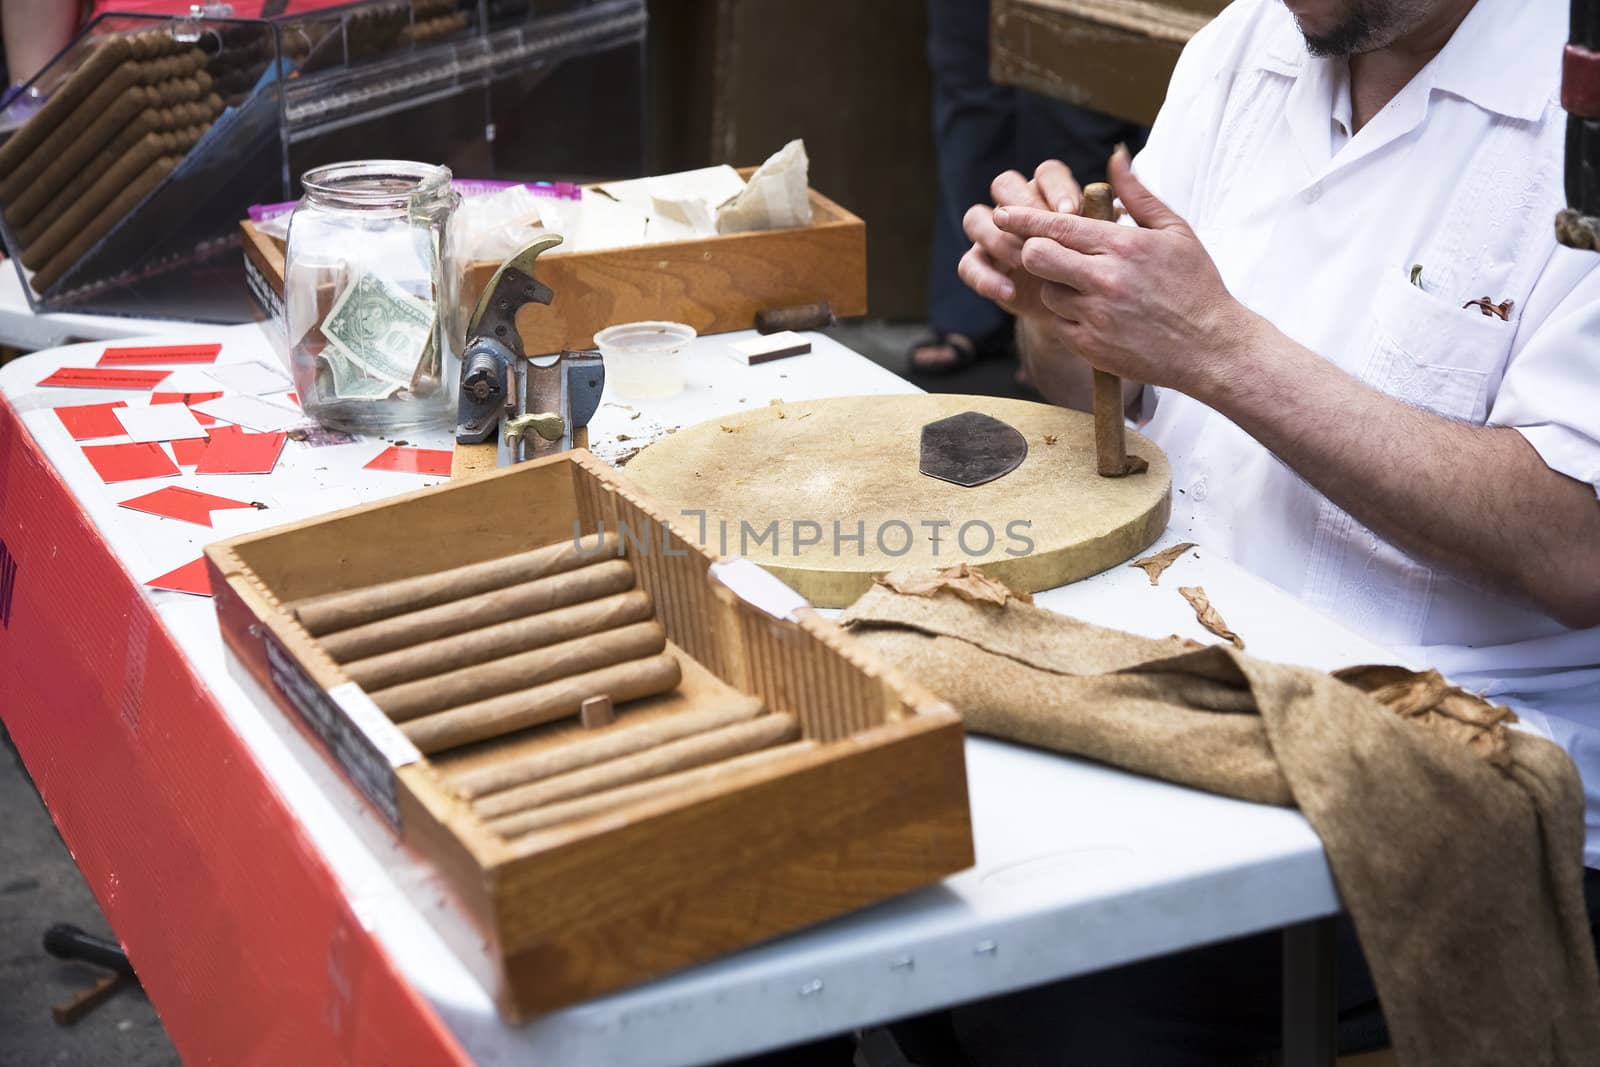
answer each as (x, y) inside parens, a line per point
(522, 671)
(486, 609)
(686, 754)
(1110, 443)
(614, 743)
(553, 700)
(526, 822)
(356, 607)
(503, 639)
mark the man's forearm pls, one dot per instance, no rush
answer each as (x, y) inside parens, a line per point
(1478, 501)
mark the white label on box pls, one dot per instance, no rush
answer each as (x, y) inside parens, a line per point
(759, 588)
(395, 746)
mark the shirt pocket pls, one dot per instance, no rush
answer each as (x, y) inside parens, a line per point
(1434, 354)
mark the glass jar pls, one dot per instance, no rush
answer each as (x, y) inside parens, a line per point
(368, 290)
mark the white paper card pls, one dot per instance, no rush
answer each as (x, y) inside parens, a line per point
(773, 346)
(159, 422)
(252, 412)
(759, 588)
(252, 378)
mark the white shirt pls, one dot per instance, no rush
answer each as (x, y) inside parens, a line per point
(1318, 230)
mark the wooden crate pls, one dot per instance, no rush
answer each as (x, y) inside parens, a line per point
(1114, 56)
(878, 808)
(714, 284)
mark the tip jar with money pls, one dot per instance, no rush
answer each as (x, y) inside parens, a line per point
(367, 292)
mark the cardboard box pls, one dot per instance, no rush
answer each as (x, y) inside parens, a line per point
(714, 284)
(876, 807)
(1114, 56)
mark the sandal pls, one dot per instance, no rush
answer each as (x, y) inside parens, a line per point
(967, 351)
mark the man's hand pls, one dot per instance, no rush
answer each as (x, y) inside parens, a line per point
(993, 266)
(1146, 303)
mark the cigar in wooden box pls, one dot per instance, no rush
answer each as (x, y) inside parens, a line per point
(102, 224)
(356, 607)
(681, 755)
(72, 222)
(106, 57)
(503, 639)
(500, 715)
(476, 612)
(526, 822)
(621, 740)
(522, 671)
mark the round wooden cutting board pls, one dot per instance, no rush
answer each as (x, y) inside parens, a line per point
(791, 487)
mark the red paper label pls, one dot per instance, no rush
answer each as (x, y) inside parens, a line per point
(412, 461)
(189, 578)
(104, 378)
(122, 357)
(128, 462)
(85, 421)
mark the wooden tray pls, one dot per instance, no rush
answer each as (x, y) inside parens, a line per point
(879, 807)
(714, 284)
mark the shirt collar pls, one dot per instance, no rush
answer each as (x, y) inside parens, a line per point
(1505, 56)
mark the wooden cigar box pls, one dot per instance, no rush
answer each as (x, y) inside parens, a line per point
(714, 284)
(871, 802)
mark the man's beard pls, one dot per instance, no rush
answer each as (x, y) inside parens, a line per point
(1369, 25)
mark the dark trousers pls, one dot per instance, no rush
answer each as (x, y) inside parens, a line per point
(981, 129)
(1212, 1006)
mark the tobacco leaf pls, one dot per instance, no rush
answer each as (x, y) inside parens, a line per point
(1430, 701)
(1158, 563)
(964, 580)
(1203, 611)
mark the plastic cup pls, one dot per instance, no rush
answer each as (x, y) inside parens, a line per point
(645, 360)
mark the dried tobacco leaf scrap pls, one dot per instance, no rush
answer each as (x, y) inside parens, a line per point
(1158, 563)
(1196, 596)
(964, 580)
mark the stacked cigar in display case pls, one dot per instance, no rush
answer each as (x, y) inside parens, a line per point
(491, 649)
(100, 144)
(620, 764)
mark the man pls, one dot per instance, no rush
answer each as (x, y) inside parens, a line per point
(1376, 375)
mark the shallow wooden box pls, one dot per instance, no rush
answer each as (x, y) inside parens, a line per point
(585, 907)
(714, 284)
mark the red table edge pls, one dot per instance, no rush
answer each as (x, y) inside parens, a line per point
(237, 926)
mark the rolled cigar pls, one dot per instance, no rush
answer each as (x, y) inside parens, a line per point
(61, 137)
(610, 745)
(340, 611)
(522, 671)
(554, 700)
(99, 133)
(525, 822)
(102, 224)
(474, 612)
(493, 642)
(71, 223)
(83, 81)
(682, 755)
(68, 194)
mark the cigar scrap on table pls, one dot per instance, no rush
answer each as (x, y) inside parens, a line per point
(355, 607)
(502, 639)
(615, 743)
(525, 822)
(521, 671)
(484, 609)
(685, 754)
(484, 719)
